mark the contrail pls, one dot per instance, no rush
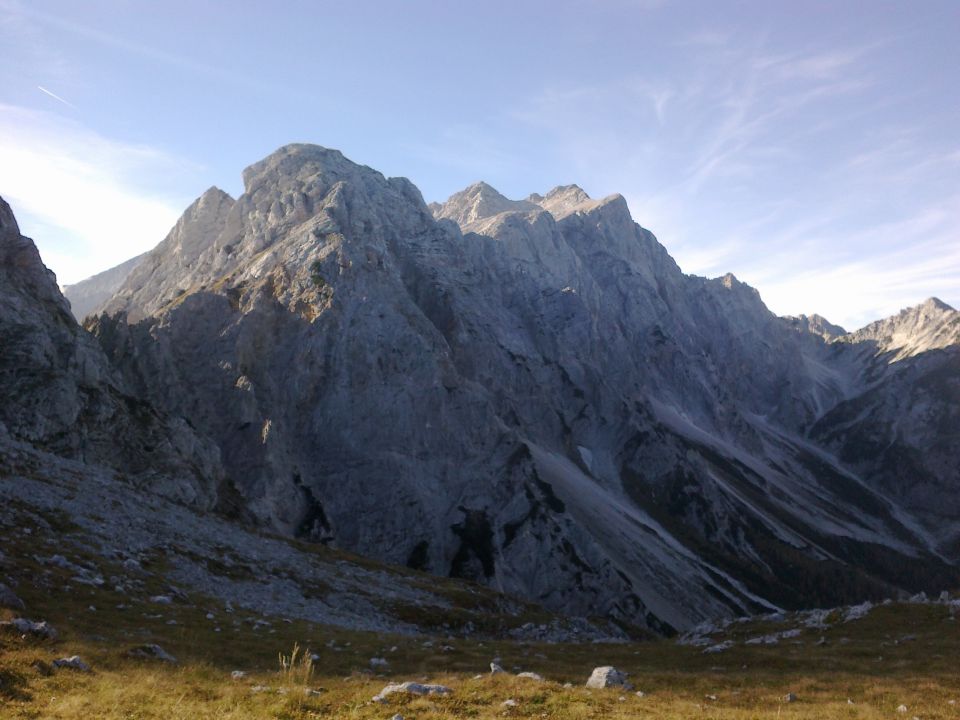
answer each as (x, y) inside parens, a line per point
(42, 89)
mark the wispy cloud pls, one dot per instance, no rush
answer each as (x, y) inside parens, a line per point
(78, 194)
(790, 168)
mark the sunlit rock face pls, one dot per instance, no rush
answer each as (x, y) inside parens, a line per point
(59, 393)
(533, 395)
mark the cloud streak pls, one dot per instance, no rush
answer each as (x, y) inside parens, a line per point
(56, 97)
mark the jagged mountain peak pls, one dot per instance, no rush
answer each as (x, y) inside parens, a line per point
(473, 206)
(564, 200)
(478, 202)
(930, 325)
(212, 194)
(729, 281)
(935, 303)
(816, 325)
(571, 192)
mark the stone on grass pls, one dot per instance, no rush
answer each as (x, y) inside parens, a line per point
(902, 709)
(607, 676)
(789, 698)
(495, 669)
(72, 663)
(411, 688)
(29, 627)
(531, 676)
(238, 674)
(9, 599)
(152, 652)
(377, 662)
(509, 703)
(719, 647)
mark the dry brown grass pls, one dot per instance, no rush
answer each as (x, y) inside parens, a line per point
(899, 654)
(842, 679)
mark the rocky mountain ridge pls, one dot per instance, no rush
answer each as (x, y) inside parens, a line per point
(531, 394)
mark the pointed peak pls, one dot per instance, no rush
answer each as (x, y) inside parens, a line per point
(214, 192)
(935, 303)
(569, 193)
(480, 189)
(213, 201)
(736, 286)
(477, 202)
(565, 200)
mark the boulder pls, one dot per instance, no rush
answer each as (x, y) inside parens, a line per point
(29, 627)
(9, 599)
(152, 652)
(607, 676)
(411, 688)
(72, 663)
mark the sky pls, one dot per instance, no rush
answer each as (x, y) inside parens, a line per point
(812, 149)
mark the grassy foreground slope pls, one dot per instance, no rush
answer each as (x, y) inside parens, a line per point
(113, 570)
(899, 655)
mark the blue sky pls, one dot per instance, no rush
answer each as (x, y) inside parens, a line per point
(811, 148)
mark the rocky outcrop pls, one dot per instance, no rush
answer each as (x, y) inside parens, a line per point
(536, 398)
(58, 392)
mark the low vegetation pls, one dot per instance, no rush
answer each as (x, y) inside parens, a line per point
(899, 655)
(234, 663)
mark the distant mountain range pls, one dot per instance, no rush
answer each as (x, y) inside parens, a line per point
(529, 394)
